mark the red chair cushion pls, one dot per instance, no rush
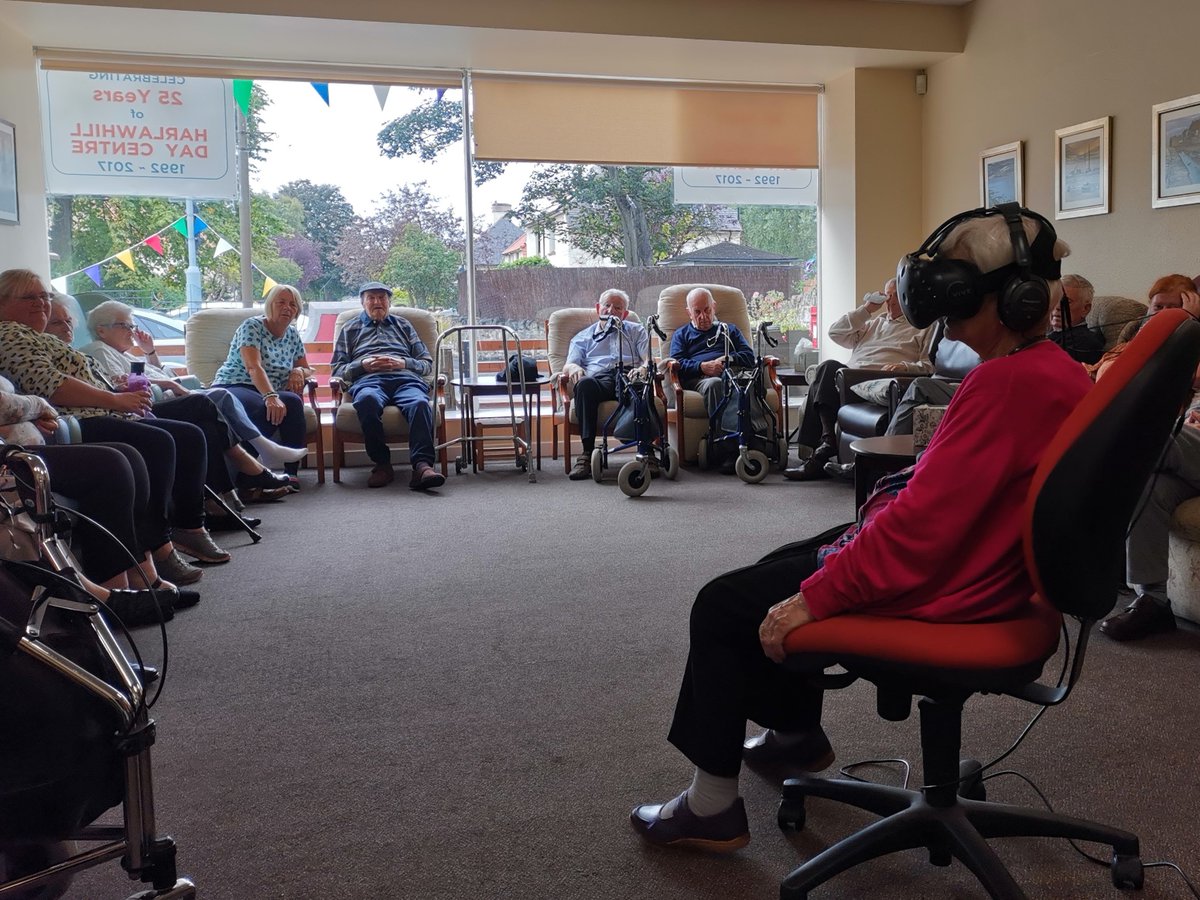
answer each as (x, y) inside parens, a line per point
(1010, 643)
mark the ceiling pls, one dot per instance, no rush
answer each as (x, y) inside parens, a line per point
(905, 34)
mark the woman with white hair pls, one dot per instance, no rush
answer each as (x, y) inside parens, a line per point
(267, 368)
(940, 541)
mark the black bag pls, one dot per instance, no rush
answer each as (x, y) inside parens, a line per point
(517, 363)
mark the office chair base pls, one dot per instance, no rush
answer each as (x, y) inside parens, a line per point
(959, 830)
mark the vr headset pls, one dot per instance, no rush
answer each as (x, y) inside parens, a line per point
(931, 287)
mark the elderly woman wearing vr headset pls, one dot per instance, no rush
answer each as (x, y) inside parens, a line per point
(939, 541)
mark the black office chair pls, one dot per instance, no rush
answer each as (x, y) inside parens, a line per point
(1082, 499)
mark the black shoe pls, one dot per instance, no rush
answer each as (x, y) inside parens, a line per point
(1143, 617)
(835, 469)
(813, 468)
(147, 675)
(265, 480)
(230, 523)
(135, 608)
(810, 752)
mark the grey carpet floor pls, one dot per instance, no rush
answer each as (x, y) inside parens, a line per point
(427, 697)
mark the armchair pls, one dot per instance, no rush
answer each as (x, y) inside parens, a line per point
(689, 414)
(859, 418)
(346, 427)
(1113, 438)
(563, 325)
(206, 346)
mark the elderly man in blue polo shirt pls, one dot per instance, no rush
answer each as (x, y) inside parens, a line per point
(385, 362)
(591, 367)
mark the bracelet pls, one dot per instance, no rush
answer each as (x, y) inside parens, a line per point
(269, 394)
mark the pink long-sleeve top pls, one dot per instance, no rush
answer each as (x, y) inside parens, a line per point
(944, 544)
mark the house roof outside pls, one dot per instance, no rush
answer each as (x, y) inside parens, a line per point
(490, 246)
(729, 254)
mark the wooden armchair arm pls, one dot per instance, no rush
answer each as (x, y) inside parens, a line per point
(337, 387)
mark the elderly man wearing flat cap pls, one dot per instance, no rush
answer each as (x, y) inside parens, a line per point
(384, 362)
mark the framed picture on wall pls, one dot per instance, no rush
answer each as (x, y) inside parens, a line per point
(1176, 157)
(1001, 179)
(1081, 169)
(9, 214)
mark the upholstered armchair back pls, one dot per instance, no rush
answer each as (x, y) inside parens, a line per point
(563, 325)
(207, 336)
(730, 303)
(421, 320)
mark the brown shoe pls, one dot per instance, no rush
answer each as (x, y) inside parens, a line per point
(381, 476)
(1143, 617)
(425, 477)
(582, 469)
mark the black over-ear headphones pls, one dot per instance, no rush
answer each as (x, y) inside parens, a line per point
(931, 287)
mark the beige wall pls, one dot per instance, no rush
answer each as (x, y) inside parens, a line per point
(24, 245)
(1031, 67)
(870, 187)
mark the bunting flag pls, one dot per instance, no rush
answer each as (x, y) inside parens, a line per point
(381, 93)
(440, 93)
(268, 283)
(59, 284)
(241, 95)
(180, 225)
(93, 272)
(126, 257)
(201, 225)
(321, 88)
(154, 242)
(223, 246)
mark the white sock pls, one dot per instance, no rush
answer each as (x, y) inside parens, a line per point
(275, 455)
(707, 795)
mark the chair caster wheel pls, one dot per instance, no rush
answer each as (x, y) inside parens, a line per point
(791, 815)
(970, 785)
(1127, 872)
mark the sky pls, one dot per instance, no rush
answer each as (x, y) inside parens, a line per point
(336, 144)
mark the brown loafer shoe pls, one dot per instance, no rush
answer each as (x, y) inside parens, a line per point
(1141, 618)
(582, 469)
(381, 476)
(425, 477)
(722, 833)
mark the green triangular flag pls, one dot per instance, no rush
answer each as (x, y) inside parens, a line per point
(241, 94)
(180, 225)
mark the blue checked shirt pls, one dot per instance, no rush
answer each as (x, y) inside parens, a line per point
(596, 357)
(363, 336)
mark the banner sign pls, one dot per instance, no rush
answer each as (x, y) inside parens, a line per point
(746, 187)
(138, 135)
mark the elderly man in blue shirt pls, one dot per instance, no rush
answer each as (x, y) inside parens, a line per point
(591, 367)
(385, 362)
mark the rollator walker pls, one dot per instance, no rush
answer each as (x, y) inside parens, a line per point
(637, 417)
(754, 429)
(75, 731)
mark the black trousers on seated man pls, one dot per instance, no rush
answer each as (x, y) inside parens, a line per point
(728, 679)
(821, 407)
(590, 392)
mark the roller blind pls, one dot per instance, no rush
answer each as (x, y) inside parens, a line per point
(643, 123)
(218, 67)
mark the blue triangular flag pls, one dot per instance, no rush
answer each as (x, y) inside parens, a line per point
(321, 88)
(200, 225)
(93, 272)
(440, 92)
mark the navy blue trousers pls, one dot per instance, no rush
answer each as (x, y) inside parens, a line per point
(371, 393)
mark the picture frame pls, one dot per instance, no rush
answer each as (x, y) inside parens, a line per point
(1001, 174)
(1175, 161)
(9, 209)
(1082, 169)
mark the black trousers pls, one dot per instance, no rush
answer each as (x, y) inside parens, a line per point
(728, 679)
(590, 392)
(203, 413)
(108, 483)
(822, 396)
(175, 457)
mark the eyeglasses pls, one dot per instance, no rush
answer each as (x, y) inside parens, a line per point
(125, 325)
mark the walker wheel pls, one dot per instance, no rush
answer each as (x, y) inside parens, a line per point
(672, 468)
(633, 479)
(702, 460)
(597, 465)
(751, 466)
